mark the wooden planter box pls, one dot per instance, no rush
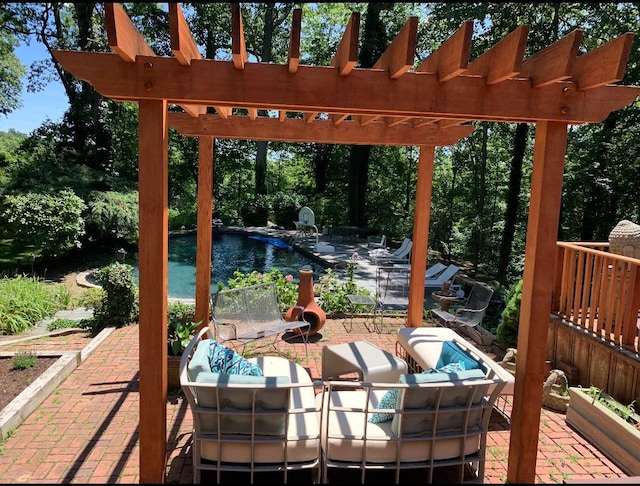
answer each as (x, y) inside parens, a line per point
(173, 372)
(616, 438)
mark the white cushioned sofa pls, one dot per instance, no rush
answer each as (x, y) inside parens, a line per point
(436, 418)
(244, 422)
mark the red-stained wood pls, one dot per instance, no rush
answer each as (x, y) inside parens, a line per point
(363, 92)
(153, 184)
(604, 65)
(294, 40)
(539, 268)
(204, 235)
(503, 60)
(452, 57)
(184, 48)
(398, 58)
(183, 45)
(321, 131)
(419, 249)
(346, 56)
(238, 47)
(554, 63)
(123, 37)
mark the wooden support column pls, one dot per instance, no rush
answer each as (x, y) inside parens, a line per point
(535, 308)
(419, 250)
(153, 257)
(205, 214)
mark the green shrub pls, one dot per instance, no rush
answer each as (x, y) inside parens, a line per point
(52, 223)
(256, 212)
(24, 301)
(119, 305)
(24, 360)
(62, 324)
(113, 216)
(507, 332)
(285, 208)
(180, 326)
(287, 290)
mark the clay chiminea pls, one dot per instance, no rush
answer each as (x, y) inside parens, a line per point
(313, 313)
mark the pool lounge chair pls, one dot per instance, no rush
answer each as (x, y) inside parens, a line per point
(447, 274)
(382, 256)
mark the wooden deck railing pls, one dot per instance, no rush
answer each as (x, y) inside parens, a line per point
(598, 291)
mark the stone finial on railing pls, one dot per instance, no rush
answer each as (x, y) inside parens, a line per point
(624, 239)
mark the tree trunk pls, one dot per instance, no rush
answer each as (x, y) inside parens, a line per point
(374, 42)
(513, 200)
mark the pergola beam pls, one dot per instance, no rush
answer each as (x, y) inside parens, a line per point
(184, 48)
(398, 58)
(320, 131)
(123, 37)
(452, 57)
(294, 40)
(347, 54)
(238, 46)
(554, 63)
(503, 60)
(604, 65)
(363, 92)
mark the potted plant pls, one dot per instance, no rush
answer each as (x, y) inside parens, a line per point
(181, 328)
(612, 427)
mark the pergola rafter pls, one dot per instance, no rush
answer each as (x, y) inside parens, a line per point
(392, 103)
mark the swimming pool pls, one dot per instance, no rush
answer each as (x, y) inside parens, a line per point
(230, 252)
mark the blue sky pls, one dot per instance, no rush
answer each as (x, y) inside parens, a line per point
(36, 107)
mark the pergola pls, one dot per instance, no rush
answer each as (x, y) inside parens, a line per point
(393, 103)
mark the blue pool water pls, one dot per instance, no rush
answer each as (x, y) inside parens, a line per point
(230, 252)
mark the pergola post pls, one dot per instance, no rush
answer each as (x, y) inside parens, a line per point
(153, 186)
(419, 250)
(538, 284)
(203, 236)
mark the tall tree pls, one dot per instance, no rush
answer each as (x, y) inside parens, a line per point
(11, 69)
(374, 42)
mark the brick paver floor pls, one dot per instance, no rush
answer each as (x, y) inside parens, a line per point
(86, 431)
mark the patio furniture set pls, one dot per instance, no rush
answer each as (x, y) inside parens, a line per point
(427, 407)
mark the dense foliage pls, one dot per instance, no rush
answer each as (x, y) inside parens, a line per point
(24, 301)
(119, 305)
(481, 185)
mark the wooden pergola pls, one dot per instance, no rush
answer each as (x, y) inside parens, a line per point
(393, 103)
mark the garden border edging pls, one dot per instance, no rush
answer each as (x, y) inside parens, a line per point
(31, 397)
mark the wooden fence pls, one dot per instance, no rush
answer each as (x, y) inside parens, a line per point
(598, 291)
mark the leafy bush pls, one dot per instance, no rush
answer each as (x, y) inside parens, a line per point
(119, 305)
(285, 208)
(62, 324)
(24, 301)
(507, 332)
(181, 326)
(287, 290)
(113, 216)
(52, 223)
(23, 360)
(256, 212)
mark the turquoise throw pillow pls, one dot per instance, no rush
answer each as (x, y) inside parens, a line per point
(225, 360)
(449, 368)
(388, 400)
(452, 353)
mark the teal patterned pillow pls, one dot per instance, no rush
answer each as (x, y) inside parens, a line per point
(388, 400)
(225, 360)
(449, 368)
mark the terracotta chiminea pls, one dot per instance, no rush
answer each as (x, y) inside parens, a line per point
(313, 313)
